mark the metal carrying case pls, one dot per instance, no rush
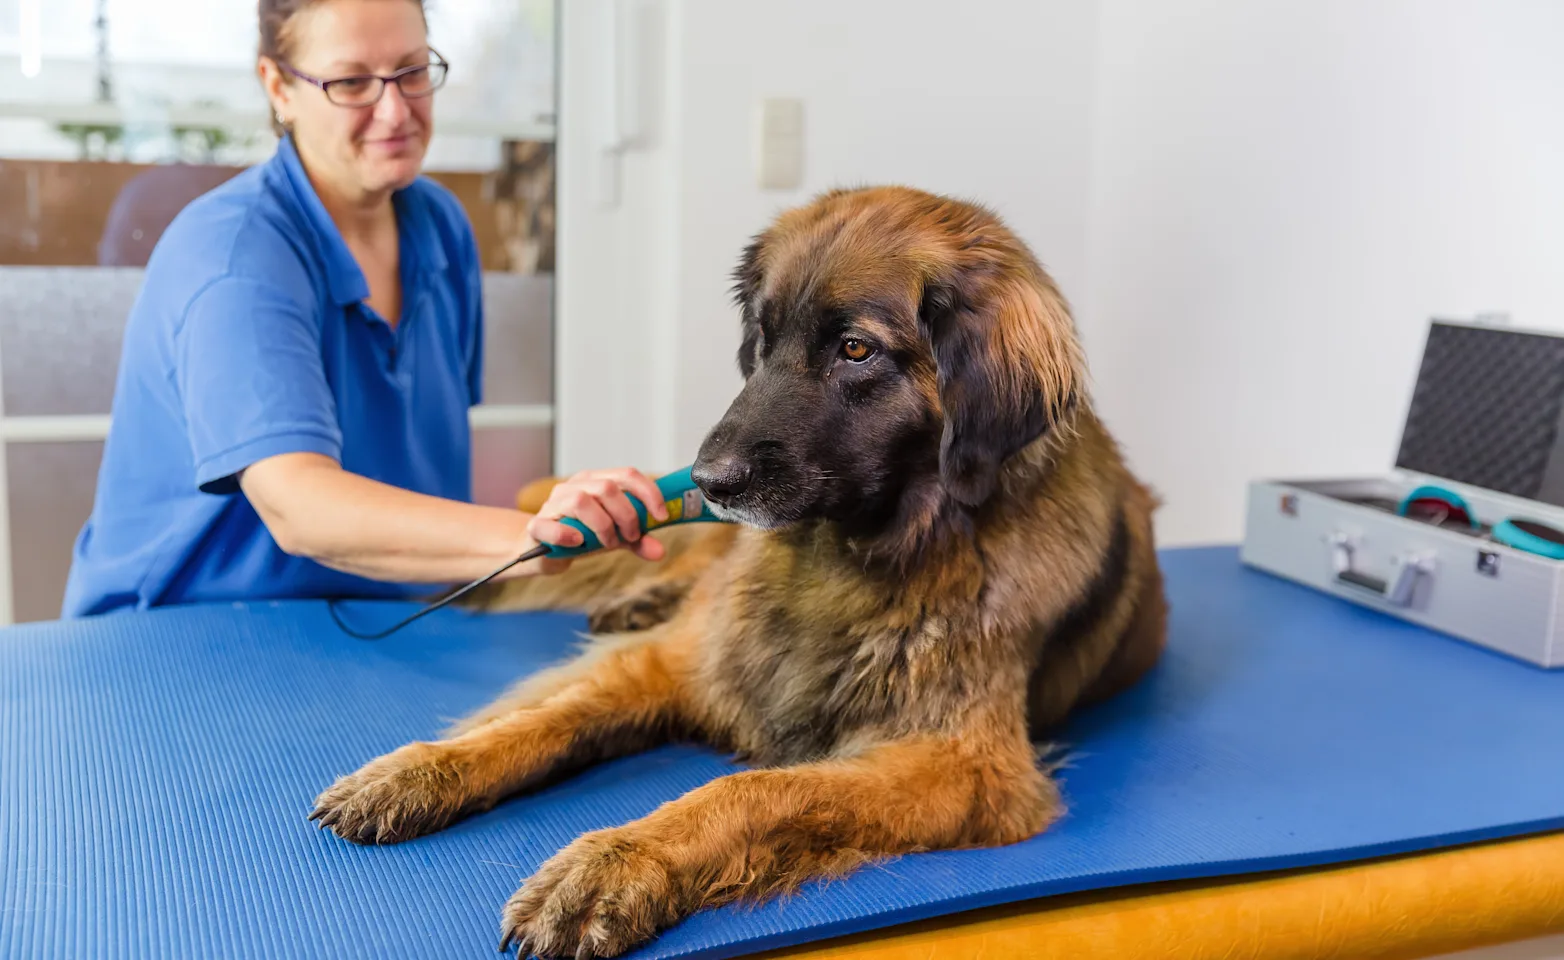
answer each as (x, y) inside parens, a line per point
(1466, 535)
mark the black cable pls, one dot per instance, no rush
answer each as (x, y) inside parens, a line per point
(331, 605)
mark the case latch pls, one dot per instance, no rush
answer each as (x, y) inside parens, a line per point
(1396, 589)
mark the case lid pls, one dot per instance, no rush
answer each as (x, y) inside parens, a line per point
(1486, 410)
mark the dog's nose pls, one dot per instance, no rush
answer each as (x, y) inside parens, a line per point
(722, 478)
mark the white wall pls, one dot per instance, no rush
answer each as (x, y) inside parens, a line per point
(987, 99)
(1255, 207)
(1283, 193)
(1541, 948)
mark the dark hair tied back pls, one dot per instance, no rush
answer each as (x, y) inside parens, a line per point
(275, 17)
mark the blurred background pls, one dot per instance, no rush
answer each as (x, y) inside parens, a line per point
(1254, 207)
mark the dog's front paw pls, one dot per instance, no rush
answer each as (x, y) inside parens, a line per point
(405, 794)
(639, 611)
(598, 897)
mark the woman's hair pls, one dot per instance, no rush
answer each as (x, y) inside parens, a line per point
(275, 17)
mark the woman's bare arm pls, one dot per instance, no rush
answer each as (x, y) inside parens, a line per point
(314, 508)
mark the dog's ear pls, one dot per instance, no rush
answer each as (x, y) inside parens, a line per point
(747, 278)
(1008, 367)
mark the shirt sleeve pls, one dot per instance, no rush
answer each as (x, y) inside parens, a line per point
(251, 381)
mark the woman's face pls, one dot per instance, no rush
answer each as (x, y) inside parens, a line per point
(365, 149)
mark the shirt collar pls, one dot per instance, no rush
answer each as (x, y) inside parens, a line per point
(418, 233)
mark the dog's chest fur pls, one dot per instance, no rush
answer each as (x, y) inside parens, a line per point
(808, 653)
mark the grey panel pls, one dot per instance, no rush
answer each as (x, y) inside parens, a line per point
(505, 459)
(51, 494)
(52, 486)
(61, 327)
(519, 338)
(60, 332)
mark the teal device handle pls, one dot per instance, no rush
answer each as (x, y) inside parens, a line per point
(1530, 536)
(681, 497)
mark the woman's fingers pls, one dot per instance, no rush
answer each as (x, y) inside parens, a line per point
(611, 498)
(548, 530)
(630, 481)
(649, 548)
(583, 507)
(645, 490)
(600, 501)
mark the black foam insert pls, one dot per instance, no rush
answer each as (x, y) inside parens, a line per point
(1539, 530)
(1486, 411)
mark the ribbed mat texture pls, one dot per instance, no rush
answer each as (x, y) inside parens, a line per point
(156, 771)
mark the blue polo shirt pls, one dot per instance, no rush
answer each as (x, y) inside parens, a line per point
(250, 338)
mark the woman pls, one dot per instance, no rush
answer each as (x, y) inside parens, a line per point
(290, 418)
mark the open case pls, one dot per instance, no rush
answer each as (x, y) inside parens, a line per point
(1466, 535)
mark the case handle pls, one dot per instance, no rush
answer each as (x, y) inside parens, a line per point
(1396, 590)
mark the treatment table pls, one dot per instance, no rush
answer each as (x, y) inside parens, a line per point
(1298, 777)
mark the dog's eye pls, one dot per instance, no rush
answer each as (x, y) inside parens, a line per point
(856, 350)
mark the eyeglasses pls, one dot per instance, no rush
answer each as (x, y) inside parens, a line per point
(365, 90)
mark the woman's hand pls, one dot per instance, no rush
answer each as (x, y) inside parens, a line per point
(598, 499)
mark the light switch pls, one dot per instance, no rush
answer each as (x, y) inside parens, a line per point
(779, 144)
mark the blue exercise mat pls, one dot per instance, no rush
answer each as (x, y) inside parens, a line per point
(156, 771)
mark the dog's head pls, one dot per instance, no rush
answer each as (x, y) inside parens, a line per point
(897, 346)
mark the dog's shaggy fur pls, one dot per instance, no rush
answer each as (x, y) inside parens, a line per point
(939, 554)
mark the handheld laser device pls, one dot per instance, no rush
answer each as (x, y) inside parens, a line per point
(681, 497)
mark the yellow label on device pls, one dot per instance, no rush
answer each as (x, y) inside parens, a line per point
(675, 511)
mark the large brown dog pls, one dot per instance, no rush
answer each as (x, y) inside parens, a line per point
(939, 554)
